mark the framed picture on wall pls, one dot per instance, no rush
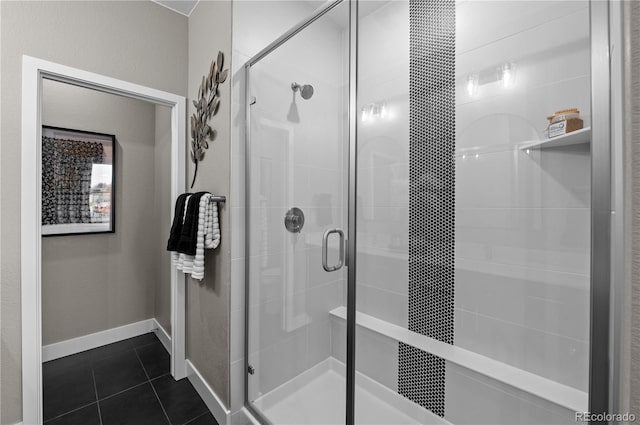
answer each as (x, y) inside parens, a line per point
(78, 182)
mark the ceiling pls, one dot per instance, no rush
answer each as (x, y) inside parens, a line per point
(183, 7)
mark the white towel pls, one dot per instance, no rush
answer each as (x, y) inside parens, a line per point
(208, 234)
(208, 237)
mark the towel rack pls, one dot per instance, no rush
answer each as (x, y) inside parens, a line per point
(218, 199)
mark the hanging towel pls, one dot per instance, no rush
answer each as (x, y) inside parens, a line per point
(187, 243)
(199, 214)
(176, 226)
(208, 235)
(212, 232)
(175, 256)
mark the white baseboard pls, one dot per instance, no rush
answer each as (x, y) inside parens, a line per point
(98, 339)
(162, 335)
(215, 405)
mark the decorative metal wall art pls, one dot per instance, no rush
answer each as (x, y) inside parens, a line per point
(206, 106)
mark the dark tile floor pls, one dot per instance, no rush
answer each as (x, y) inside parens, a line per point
(125, 383)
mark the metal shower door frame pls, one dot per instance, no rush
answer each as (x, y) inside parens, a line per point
(602, 376)
(601, 342)
(351, 231)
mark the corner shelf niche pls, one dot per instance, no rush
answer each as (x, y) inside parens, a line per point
(578, 137)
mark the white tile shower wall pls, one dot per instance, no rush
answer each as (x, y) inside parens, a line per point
(473, 399)
(518, 180)
(522, 219)
(481, 25)
(383, 164)
(291, 295)
(542, 238)
(376, 355)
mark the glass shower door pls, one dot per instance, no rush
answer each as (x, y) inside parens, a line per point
(297, 182)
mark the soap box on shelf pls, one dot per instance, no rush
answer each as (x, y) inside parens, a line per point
(561, 128)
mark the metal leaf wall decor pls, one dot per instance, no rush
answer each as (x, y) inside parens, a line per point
(207, 106)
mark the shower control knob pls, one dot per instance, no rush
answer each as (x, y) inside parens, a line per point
(294, 220)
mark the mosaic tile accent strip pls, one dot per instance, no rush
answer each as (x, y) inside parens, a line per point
(421, 376)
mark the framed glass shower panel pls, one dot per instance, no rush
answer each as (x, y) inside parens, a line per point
(297, 156)
(473, 235)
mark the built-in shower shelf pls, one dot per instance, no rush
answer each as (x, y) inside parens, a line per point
(577, 137)
(542, 387)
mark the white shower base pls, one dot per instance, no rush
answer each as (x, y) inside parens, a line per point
(317, 396)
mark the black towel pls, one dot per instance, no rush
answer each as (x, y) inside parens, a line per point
(176, 226)
(189, 236)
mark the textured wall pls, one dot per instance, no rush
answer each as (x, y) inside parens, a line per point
(91, 283)
(139, 42)
(631, 361)
(208, 301)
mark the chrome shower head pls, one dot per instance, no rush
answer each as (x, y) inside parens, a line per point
(306, 90)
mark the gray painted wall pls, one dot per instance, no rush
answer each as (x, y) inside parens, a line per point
(140, 42)
(91, 283)
(208, 302)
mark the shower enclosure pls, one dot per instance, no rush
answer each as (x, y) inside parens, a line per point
(419, 250)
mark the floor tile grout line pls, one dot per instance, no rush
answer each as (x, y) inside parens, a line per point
(126, 389)
(95, 388)
(133, 386)
(135, 349)
(159, 376)
(76, 408)
(160, 402)
(197, 417)
(122, 391)
(153, 388)
(144, 369)
(90, 363)
(70, 411)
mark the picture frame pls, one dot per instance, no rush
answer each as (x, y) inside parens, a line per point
(78, 182)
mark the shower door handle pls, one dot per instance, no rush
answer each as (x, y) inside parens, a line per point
(325, 248)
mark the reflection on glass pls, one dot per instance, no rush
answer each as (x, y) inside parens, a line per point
(298, 151)
(100, 197)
